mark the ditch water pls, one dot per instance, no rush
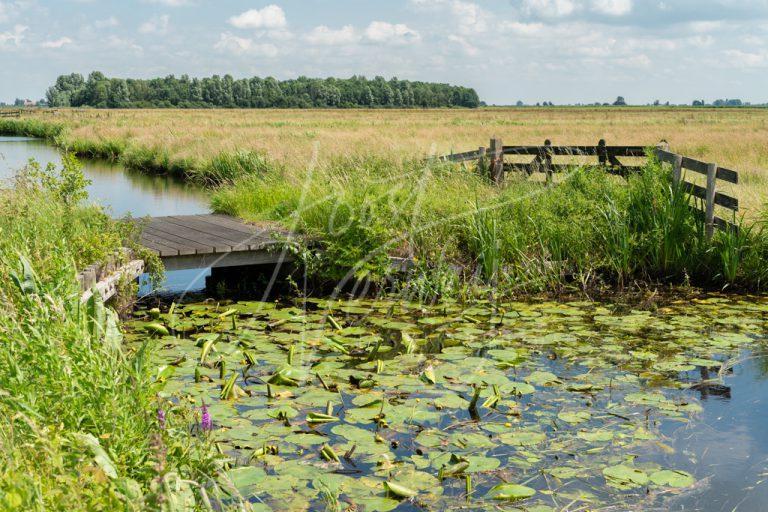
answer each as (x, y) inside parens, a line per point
(121, 191)
(582, 405)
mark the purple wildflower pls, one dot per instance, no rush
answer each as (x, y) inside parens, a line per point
(161, 418)
(205, 422)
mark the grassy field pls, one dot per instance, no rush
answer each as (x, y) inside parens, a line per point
(366, 193)
(735, 138)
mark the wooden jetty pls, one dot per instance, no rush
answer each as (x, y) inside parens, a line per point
(202, 241)
(188, 242)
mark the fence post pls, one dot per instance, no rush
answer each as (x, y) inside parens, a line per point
(497, 160)
(710, 211)
(677, 170)
(602, 153)
(548, 160)
(481, 160)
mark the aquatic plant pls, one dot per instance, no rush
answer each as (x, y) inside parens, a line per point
(386, 402)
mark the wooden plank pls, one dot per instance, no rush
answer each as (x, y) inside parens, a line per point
(238, 240)
(633, 151)
(698, 166)
(232, 223)
(231, 259)
(497, 160)
(677, 170)
(161, 249)
(728, 175)
(219, 245)
(720, 199)
(710, 201)
(546, 156)
(184, 245)
(461, 157)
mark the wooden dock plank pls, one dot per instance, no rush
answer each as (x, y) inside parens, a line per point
(239, 240)
(162, 250)
(197, 241)
(229, 222)
(189, 246)
(219, 244)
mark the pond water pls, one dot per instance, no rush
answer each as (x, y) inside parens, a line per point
(577, 406)
(121, 191)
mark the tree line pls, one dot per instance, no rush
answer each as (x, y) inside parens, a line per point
(100, 91)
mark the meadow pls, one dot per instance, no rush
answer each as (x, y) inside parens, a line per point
(356, 180)
(190, 139)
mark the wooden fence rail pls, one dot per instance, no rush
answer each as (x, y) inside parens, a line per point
(491, 160)
(10, 113)
(708, 195)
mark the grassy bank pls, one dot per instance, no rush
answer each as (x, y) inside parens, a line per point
(80, 429)
(184, 140)
(592, 231)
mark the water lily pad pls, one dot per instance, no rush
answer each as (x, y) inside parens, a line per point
(511, 492)
(672, 478)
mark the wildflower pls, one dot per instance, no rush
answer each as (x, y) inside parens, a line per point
(161, 418)
(205, 421)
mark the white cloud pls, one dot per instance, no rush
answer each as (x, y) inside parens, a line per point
(612, 7)
(469, 48)
(56, 43)
(120, 44)
(704, 26)
(383, 32)
(739, 58)
(156, 25)
(107, 22)
(270, 17)
(13, 37)
(235, 45)
(469, 16)
(522, 29)
(550, 8)
(323, 35)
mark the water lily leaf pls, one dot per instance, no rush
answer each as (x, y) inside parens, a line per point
(540, 378)
(511, 492)
(672, 478)
(625, 477)
(523, 438)
(574, 417)
(399, 490)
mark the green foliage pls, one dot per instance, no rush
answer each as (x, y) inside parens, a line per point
(591, 230)
(216, 91)
(79, 429)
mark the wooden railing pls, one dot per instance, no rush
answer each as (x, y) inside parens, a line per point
(491, 161)
(10, 113)
(543, 161)
(708, 195)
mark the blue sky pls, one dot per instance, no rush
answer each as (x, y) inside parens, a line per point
(509, 50)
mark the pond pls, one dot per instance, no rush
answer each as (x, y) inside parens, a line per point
(121, 191)
(544, 406)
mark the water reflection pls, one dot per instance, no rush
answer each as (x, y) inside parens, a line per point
(121, 191)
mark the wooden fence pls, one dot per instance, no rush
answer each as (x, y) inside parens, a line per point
(10, 113)
(708, 195)
(543, 161)
(491, 160)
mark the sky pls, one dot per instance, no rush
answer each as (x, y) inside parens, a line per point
(564, 51)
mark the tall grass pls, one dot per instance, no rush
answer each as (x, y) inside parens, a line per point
(592, 230)
(79, 428)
